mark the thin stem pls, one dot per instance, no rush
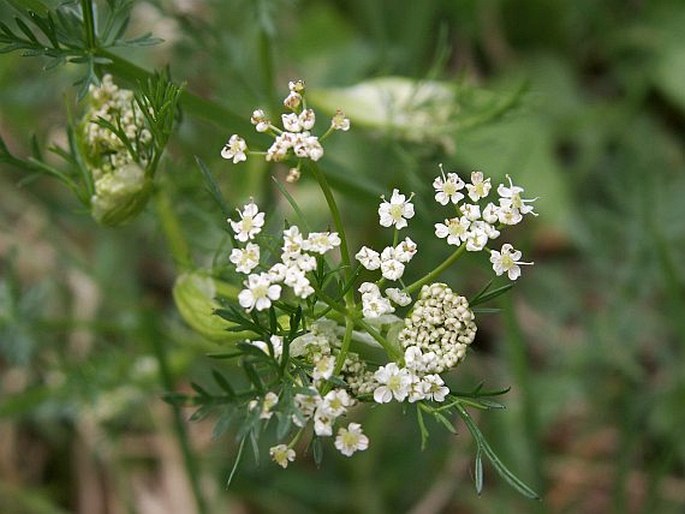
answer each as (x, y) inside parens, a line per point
(437, 271)
(337, 221)
(345, 347)
(89, 23)
(172, 230)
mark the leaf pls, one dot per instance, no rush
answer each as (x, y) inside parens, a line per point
(223, 383)
(478, 471)
(238, 457)
(212, 187)
(485, 296)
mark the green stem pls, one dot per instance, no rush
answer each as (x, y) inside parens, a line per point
(172, 230)
(345, 347)
(337, 221)
(437, 271)
(89, 23)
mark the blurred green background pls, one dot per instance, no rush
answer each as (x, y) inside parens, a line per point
(582, 102)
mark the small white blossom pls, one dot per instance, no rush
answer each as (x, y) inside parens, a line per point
(434, 388)
(370, 259)
(397, 211)
(235, 149)
(291, 122)
(321, 242)
(245, 259)
(323, 423)
(511, 197)
(455, 230)
(448, 188)
(373, 304)
(394, 382)
(351, 439)
(507, 261)
(476, 239)
(391, 267)
(336, 402)
(307, 119)
(340, 121)
(404, 251)
(491, 213)
(293, 175)
(509, 215)
(250, 224)
(296, 86)
(470, 211)
(293, 100)
(260, 121)
(269, 402)
(478, 188)
(292, 241)
(282, 455)
(398, 297)
(259, 292)
(323, 367)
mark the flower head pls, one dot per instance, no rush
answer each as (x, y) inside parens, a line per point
(478, 188)
(235, 149)
(259, 292)
(397, 211)
(245, 259)
(447, 188)
(394, 383)
(351, 439)
(507, 261)
(282, 455)
(250, 224)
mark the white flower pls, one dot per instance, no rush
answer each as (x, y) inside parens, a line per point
(282, 455)
(323, 423)
(369, 288)
(476, 239)
(507, 260)
(391, 268)
(259, 292)
(340, 121)
(455, 230)
(250, 224)
(470, 211)
(260, 121)
(491, 213)
(296, 86)
(509, 215)
(351, 439)
(398, 296)
(235, 149)
(291, 122)
(293, 100)
(323, 367)
(434, 388)
(416, 389)
(374, 305)
(511, 197)
(404, 251)
(245, 259)
(306, 145)
(447, 188)
(336, 402)
(394, 382)
(397, 211)
(292, 241)
(478, 188)
(368, 258)
(321, 242)
(307, 405)
(307, 119)
(413, 358)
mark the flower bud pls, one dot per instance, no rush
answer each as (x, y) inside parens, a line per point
(194, 294)
(120, 195)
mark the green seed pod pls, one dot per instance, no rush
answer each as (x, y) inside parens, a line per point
(194, 293)
(120, 195)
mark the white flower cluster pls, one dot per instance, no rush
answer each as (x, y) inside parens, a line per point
(295, 136)
(476, 224)
(318, 348)
(434, 338)
(117, 106)
(117, 177)
(297, 259)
